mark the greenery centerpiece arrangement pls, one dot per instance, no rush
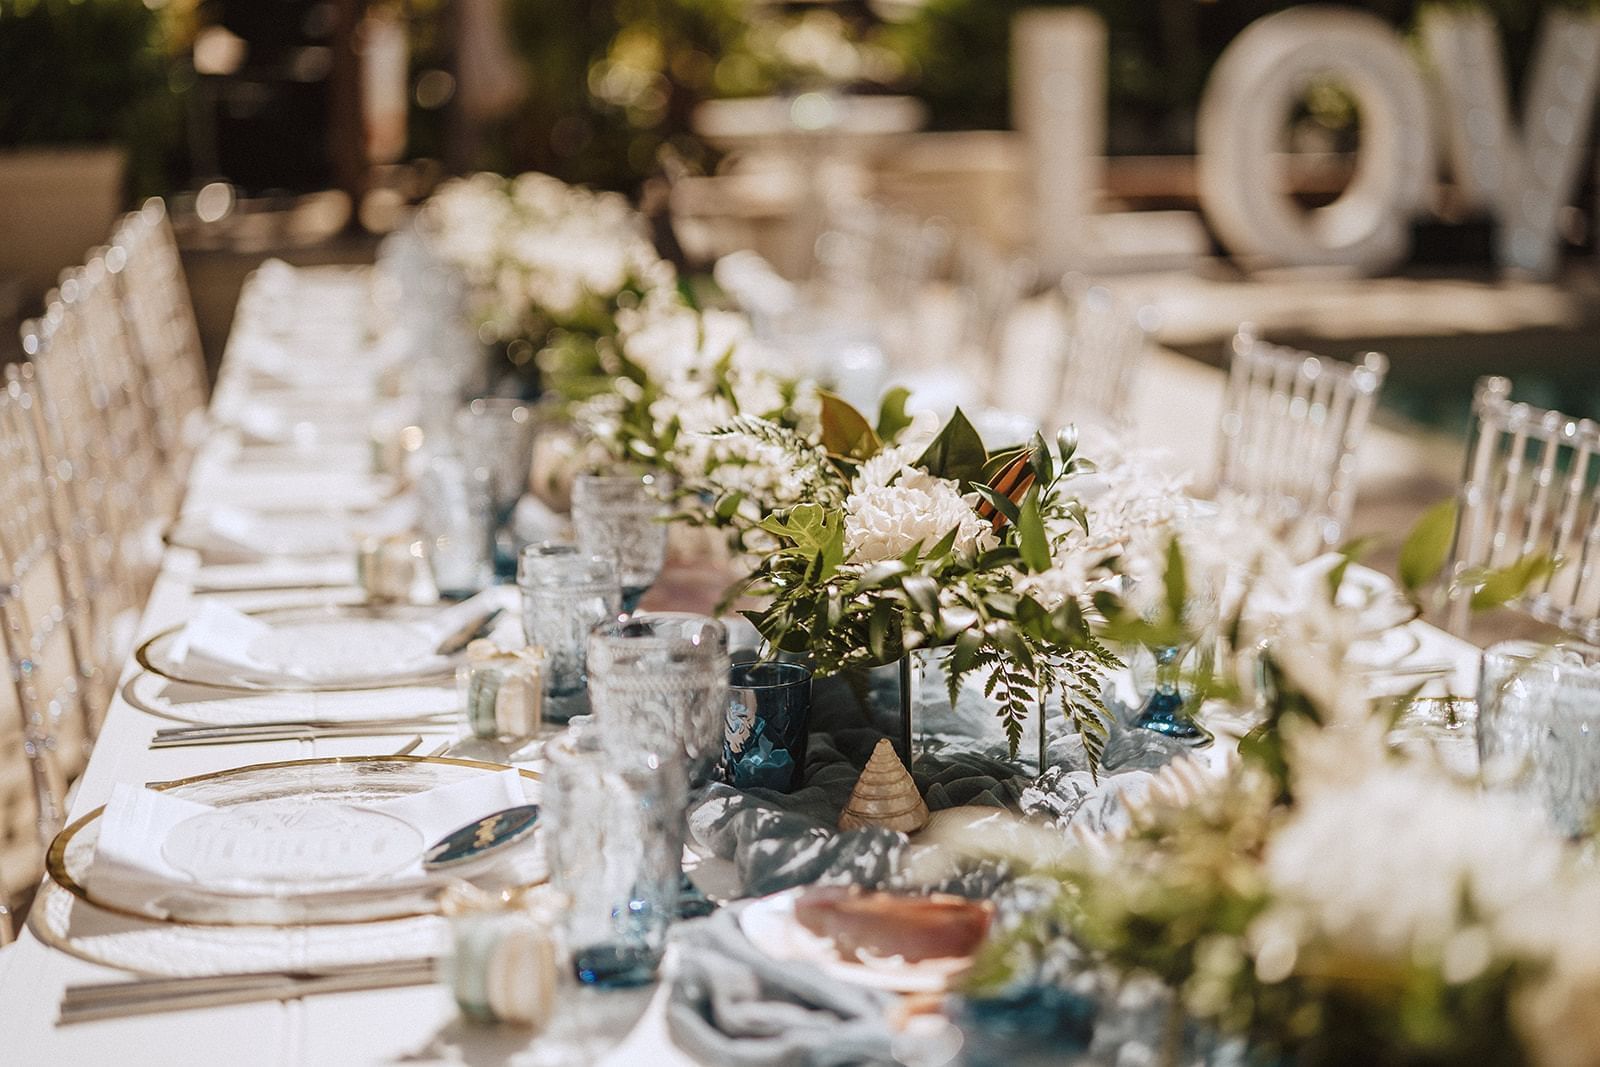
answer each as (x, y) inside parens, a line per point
(1333, 898)
(902, 535)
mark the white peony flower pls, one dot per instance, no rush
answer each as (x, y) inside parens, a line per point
(884, 521)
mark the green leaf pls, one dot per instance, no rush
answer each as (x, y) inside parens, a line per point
(1510, 582)
(892, 417)
(879, 625)
(1031, 538)
(728, 506)
(1039, 457)
(1001, 502)
(923, 591)
(1427, 547)
(845, 431)
(1177, 582)
(957, 453)
(881, 574)
(1352, 551)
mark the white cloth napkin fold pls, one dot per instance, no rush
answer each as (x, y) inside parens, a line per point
(223, 636)
(130, 871)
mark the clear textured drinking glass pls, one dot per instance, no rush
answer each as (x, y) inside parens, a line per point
(618, 517)
(565, 594)
(614, 839)
(457, 526)
(1539, 727)
(658, 682)
(495, 437)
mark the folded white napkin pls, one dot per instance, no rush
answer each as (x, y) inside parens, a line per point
(343, 650)
(130, 870)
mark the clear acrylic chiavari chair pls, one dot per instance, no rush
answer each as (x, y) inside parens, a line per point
(1531, 486)
(1103, 345)
(143, 260)
(992, 286)
(93, 508)
(104, 370)
(1291, 422)
(45, 737)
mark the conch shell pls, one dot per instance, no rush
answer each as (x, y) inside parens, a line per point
(885, 796)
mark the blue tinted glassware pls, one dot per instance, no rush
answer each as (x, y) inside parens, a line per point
(565, 594)
(614, 838)
(769, 709)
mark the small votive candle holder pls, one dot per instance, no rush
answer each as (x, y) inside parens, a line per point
(386, 567)
(503, 966)
(502, 692)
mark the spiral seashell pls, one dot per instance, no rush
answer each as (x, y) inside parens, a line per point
(884, 796)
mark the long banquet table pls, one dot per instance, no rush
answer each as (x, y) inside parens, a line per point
(413, 1025)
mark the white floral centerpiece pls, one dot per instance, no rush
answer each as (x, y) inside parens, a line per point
(548, 265)
(901, 535)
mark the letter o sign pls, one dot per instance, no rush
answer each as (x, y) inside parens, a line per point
(1245, 111)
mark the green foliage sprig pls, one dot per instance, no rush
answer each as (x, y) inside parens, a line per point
(963, 598)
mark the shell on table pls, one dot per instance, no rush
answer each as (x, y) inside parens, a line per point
(885, 796)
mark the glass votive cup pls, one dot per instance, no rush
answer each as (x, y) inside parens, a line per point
(495, 435)
(769, 712)
(619, 517)
(565, 594)
(614, 842)
(502, 692)
(1539, 728)
(503, 963)
(457, 526)
(658, 682)
(386, 567)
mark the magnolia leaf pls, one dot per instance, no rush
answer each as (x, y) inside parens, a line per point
(1031, 538)
(845, 431)
(1510, 582)
(957, 453)
(999, 461)
(892, 417)
(1427, 547)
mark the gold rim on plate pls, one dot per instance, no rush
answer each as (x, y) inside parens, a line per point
(142, 656)
(55, 861)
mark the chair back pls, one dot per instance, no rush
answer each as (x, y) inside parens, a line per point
(95, 509)
(148, 273)
(1531, 487)
(52, 728)
(1103, 345)
(1291, 423)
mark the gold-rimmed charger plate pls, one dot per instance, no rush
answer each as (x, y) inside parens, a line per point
(150, 654)
(339, 779)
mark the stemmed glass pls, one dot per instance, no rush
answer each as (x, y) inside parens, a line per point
(495, 436)
(618, 517)
(1168, 709)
